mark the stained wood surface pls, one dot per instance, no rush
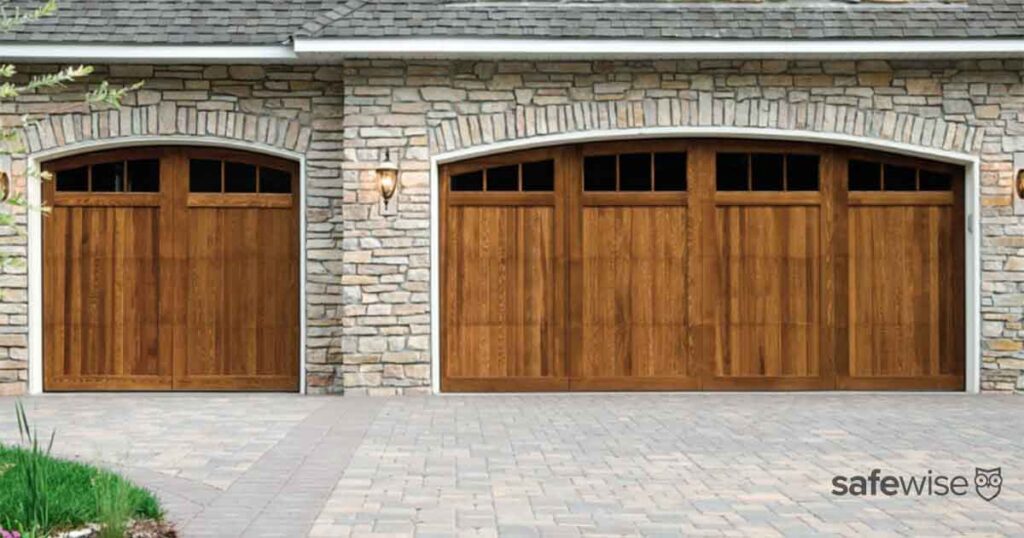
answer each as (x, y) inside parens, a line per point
(634, 294)
(143, 292)
(704, 289)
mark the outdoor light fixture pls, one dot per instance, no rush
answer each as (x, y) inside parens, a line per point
(5, 186)
(1020, 184)
(387, 178)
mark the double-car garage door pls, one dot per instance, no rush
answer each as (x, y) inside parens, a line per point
(701, 264)
(171, 268)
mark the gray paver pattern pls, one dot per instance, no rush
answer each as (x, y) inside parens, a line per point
(675, 465)
(546, 465)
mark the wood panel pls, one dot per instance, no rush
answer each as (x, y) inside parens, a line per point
(103, 326)
(142, 292)
(500, 298)
(905, 293)
(769, 309)
(635, 301)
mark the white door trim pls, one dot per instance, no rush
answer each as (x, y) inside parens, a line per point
(35, 229)
(972, 236)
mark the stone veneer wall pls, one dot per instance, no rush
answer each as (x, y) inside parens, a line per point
(295, 108)
(423, 108)
(368, 275)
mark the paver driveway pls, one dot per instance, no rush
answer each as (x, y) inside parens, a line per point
(558, 465)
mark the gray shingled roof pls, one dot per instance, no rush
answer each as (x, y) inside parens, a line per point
(266, 22)
(671, 19)
(170, 22)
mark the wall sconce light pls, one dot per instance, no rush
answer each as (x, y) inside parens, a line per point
(1019, 185)
(387, 178)
(5, 186)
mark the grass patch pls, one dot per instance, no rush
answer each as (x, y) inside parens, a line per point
(75, 494)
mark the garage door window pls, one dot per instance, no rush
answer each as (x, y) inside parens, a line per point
(536, 176)
(771, 172)
(216, 176)
(141, 175)
(878, 176)
(635, 172)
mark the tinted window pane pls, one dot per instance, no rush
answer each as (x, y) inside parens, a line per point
(731, 171)
(470, 181)
(865, 176)
(203, 175)
(273, 180)
(108, 177)
(539, 176)
(503, 178)
(239, 177)
(935, 181)
(899, 178)
(599, 173)
(802, 172)
(767, 171)
(73, 180)
(144, 175)
(635, 172)
(670, 171)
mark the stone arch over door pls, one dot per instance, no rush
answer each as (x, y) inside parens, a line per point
(748, 116)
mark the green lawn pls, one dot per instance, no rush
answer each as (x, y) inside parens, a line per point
(75, 493)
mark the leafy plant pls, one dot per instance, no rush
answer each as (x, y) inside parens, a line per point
(30, 463)
(11, 135)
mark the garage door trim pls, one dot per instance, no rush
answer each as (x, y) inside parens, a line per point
(34, 221)
(971, 164)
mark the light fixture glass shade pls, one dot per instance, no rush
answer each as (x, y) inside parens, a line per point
(387, 180)
(1019, 184)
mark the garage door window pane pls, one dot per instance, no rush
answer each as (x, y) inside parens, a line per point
(670, 171)
(731, 171)
(204, 175)
(635, 172)
(276, 181)
(470, 181)
(503, 178)
(599, 173)
(864, 176)
(899, 178)
(144, 175)
(935, 181)
(73, 180)
(239, 177)
(767, 172)
(802, 172)
(539, 176)
(108, 177)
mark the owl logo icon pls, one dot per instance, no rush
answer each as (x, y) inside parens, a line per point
(988, 482)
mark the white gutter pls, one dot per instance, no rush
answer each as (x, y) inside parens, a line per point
(148, 53)
(324, 49)
(682, 48)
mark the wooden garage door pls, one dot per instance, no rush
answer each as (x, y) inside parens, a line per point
(171, 268)
(701, 264)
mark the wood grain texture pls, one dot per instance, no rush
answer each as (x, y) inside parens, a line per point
(769, 310)
(125, 275)
(500, 295)
(905, 295)
(634, 293)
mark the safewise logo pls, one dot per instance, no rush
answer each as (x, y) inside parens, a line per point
(988, 483)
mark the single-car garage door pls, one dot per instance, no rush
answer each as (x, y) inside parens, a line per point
(701, 264)
(171, 268)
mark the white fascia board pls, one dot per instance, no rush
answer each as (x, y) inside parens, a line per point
(147, 53)
(626, 48)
